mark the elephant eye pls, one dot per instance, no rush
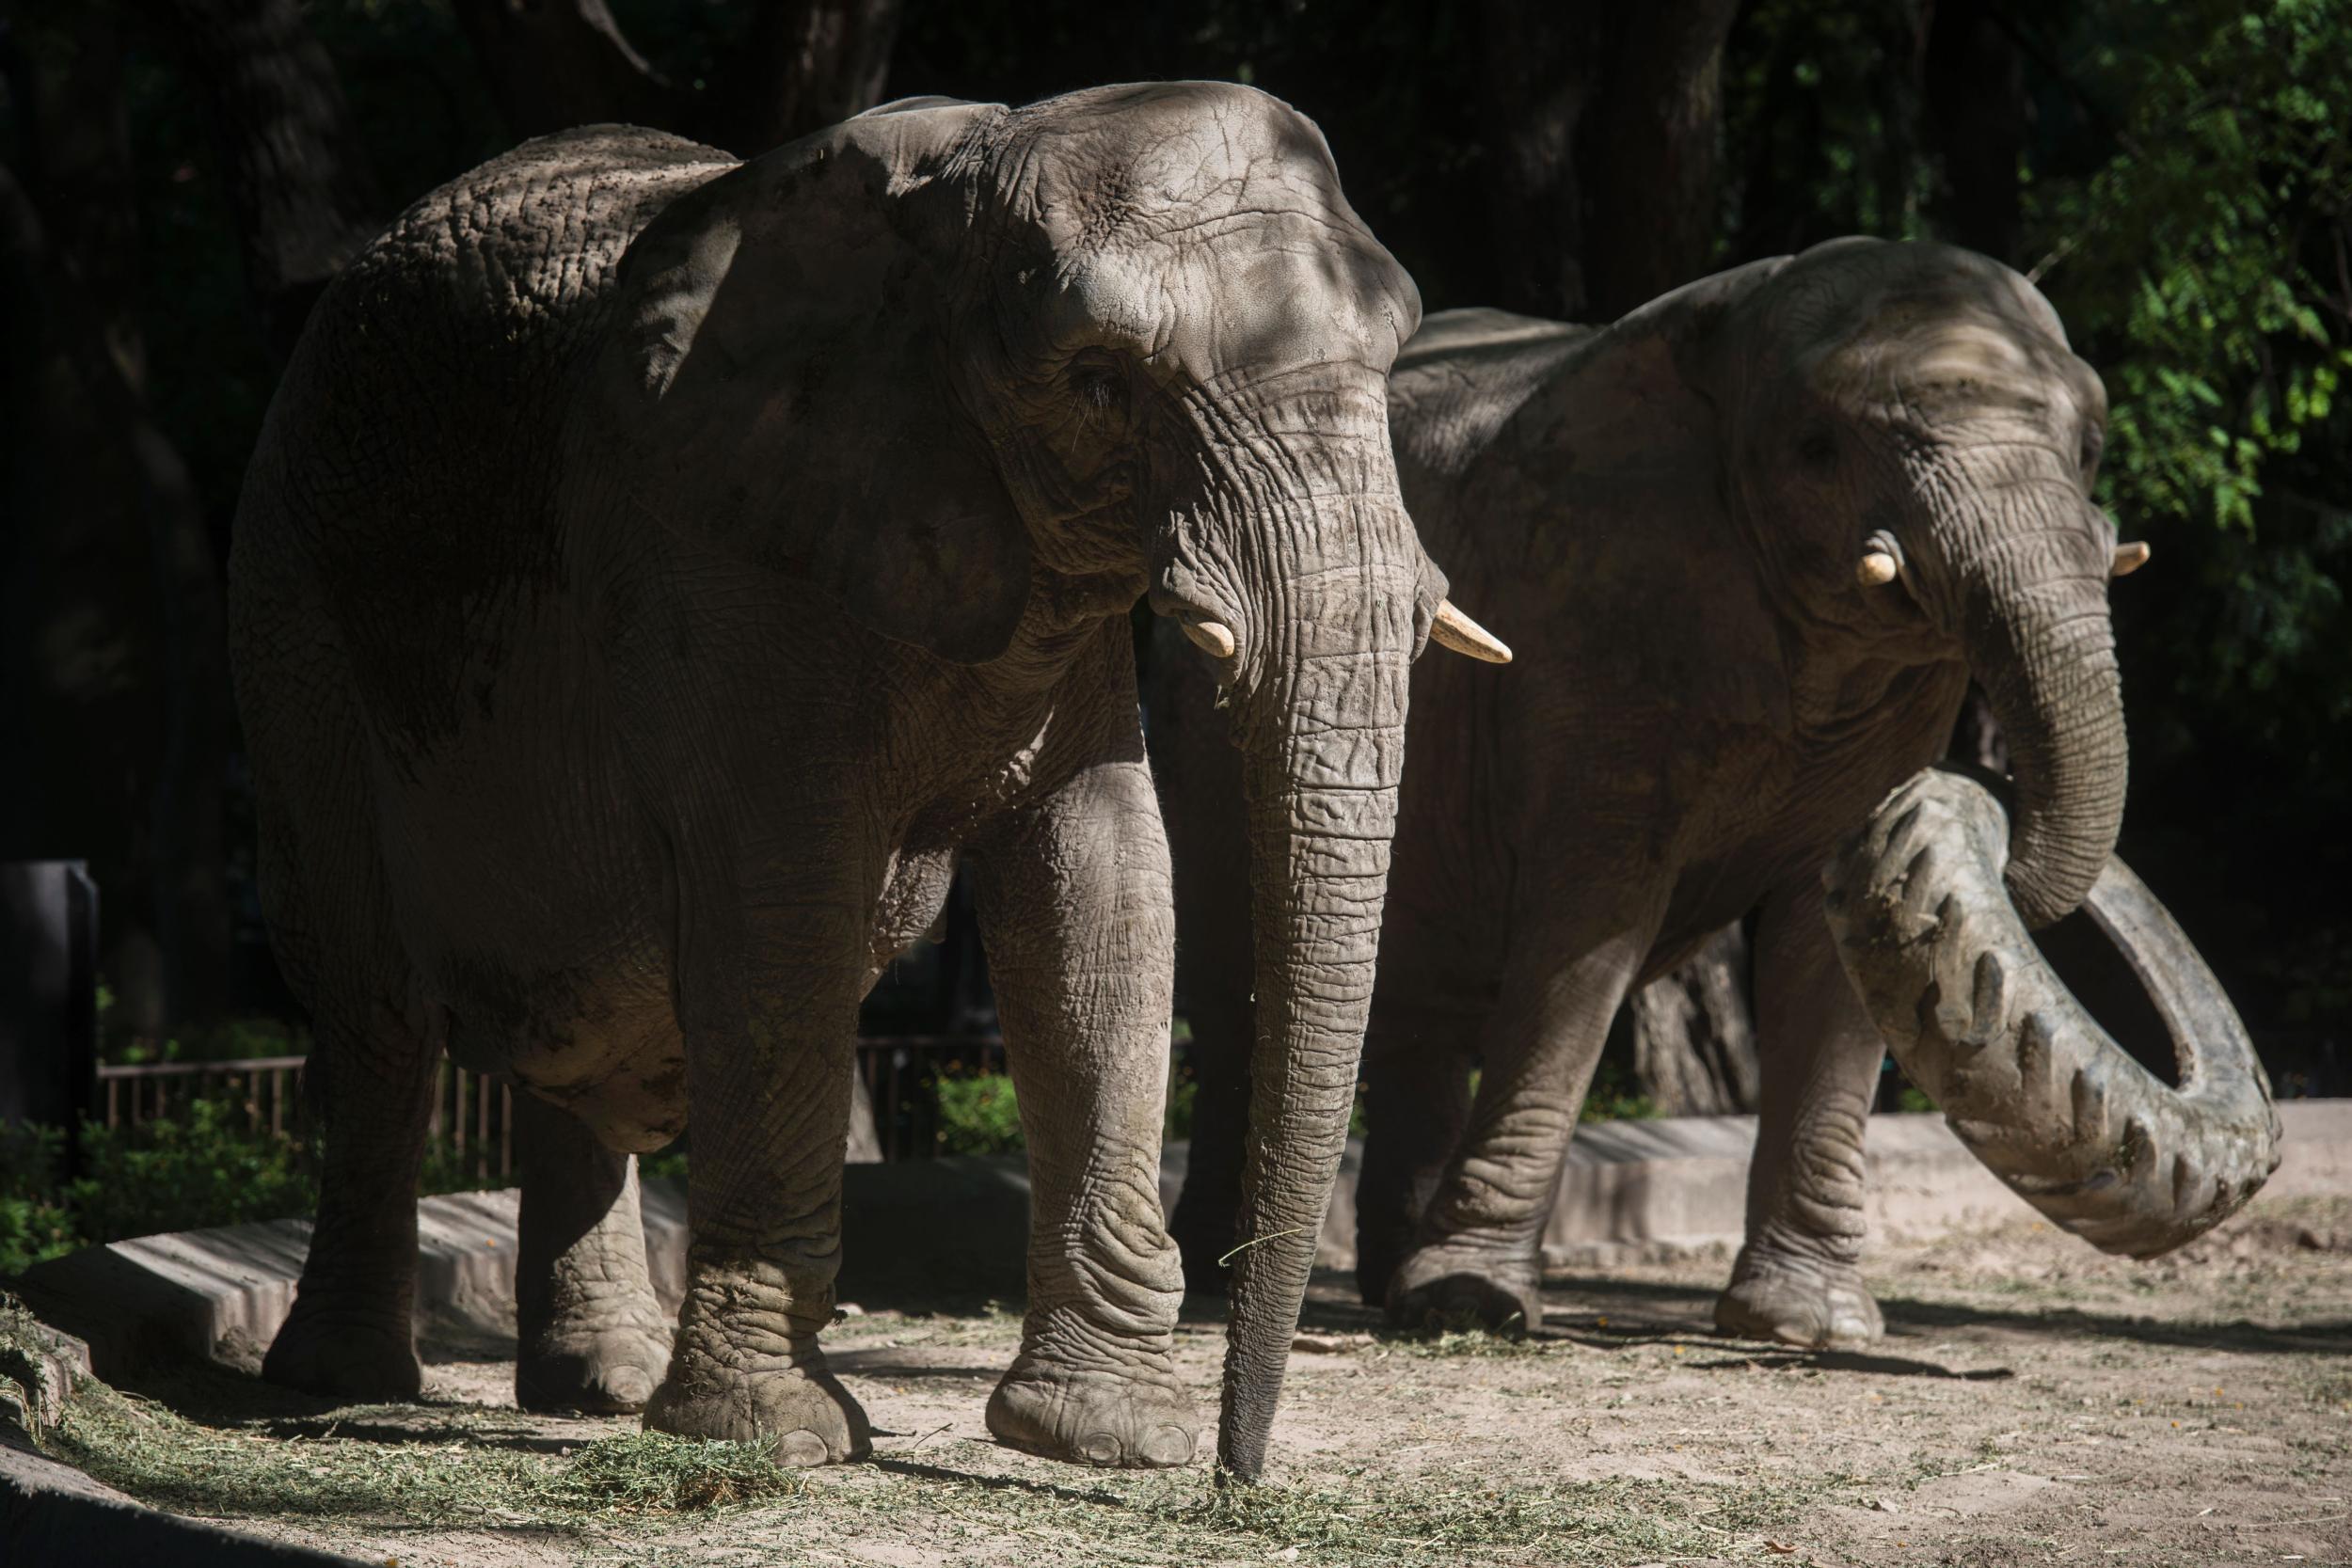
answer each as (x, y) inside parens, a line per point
(1817, 449)
(2094, 443)
(1098, 382)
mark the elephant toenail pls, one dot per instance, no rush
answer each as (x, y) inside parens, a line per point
(1168, 1445)
(1100, 1448)
(799, 1450)
(630, 1386)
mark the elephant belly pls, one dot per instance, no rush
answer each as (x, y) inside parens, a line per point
(537, 915)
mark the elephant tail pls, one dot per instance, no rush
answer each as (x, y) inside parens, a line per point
(1975, 1010)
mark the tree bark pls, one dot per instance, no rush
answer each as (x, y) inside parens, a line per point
(1692, 1032)
(112, 682)
(300, 187)
(1601, 123)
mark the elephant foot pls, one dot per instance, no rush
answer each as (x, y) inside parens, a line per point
(1093, 1417)
(803, 1413)
(361, 1361)
(1819, 1306)
(610, 1370)
(1445, 1287)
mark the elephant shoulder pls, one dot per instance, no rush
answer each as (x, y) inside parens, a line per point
(1463, 376)
(509, 253)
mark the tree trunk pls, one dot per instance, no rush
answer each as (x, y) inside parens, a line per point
(113, 683)
(1974, 83)
(1538, 66)
(1690, 1033)
(801, 66)
(65, 71)
(1600, 123)
(806, 65)
(1648, 162)
(297, 181)
(551, 64)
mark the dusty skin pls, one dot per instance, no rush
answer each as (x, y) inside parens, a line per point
(2033, 1401)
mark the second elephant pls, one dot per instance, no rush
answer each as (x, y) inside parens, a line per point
(1754, 539)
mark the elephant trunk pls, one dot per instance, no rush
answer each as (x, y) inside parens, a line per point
(1323, 746)
(2045, 653)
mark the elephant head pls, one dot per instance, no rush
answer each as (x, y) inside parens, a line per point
(1914, 448)
(983, 377)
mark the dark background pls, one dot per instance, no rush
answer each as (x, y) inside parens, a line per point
(184, 176)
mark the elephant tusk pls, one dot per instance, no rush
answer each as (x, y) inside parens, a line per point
(1210, 636)
(1458, 631)
(1877, 570)
(2131, 557)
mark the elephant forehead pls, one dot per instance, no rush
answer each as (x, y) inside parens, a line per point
(1933, 353)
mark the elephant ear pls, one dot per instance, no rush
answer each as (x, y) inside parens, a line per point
(777, 382)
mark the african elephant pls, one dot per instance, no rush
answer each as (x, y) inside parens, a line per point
(658, 569)
(1758, 535)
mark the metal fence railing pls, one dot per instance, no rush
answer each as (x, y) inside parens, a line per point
(473, 1112)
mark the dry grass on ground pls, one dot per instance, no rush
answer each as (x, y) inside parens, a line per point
(2033, 1401)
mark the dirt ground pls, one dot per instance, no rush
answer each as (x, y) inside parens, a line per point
(2033, 1401)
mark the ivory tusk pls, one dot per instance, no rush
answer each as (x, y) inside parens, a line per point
(1458, 632)
(1211, 638)
(2131, 557)
(1877, 570)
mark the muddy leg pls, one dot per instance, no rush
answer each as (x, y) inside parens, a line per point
(590, 1335)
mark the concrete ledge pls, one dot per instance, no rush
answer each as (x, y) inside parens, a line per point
(958, 1226)
(54, 1516)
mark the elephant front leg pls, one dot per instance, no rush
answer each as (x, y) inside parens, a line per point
(769, 1057)
(1479, 1253)
(590, 1335)
(352, 1333)
(1075, 910)
(1798, 1279)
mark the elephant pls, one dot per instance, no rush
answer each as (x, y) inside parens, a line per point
(659, 570)
(1761, 532)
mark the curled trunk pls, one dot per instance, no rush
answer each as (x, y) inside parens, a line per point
(2045, 653)
(2035, 1086)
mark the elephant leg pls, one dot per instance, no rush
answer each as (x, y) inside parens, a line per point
(589, 1336)
(1075, 910)
(769, 1002)
(1417, 1068)
(1798, 1279)
(1479, 1251)
(351, 1331)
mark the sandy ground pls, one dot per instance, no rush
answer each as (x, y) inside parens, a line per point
(2033, 1401)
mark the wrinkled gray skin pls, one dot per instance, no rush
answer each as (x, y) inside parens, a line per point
(657, 570)
(1665, 519)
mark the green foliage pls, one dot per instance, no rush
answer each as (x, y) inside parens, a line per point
(2207, 254)
(1614, 1097)
(209, 1167)
(34, 1221)
(978, 1113)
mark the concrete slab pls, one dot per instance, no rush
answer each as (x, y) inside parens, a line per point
(1631, 1190)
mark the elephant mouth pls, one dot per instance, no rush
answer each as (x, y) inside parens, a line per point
(2100, 1071)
